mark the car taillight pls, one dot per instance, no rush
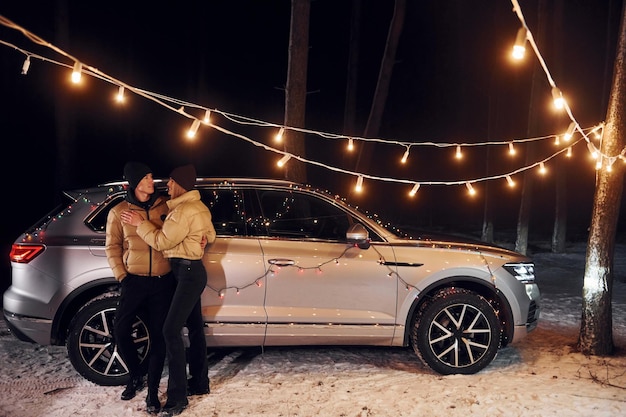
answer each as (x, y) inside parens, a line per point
(25, 253)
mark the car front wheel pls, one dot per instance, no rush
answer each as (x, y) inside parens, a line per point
(457, 331)
(91, 343)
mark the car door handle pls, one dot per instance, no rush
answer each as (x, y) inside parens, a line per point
(281, 262)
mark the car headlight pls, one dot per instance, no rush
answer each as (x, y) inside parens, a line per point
(523, 272)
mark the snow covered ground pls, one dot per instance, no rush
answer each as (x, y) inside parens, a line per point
(541, 376)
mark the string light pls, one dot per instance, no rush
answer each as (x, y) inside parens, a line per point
(283, 160)
(569, 152)
(77, 72)
(557, 141)
(592, 150)
(26, 65)
(405, 156)
(570, 132)
(350, 144)
(510, 181)
(414, 189)
(470, 189)
(458, 154)
(207, 117)
(279, 135)
(119, 97)
(511, 149)
(519, 49)
(557, 97)
(359, 184)
(542, 168)
(191, 133)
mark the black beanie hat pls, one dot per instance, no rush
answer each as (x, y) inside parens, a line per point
(134, 173)
(184, 176)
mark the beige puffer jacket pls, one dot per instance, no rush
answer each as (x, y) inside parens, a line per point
(126, 252)
(181, 235)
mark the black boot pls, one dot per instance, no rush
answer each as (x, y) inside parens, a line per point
(135, 384)
(194, 388)
(153, 405)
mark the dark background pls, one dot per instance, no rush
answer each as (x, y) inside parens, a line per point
(453, 82)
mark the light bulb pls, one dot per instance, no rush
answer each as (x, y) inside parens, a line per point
(458, 154)
(359, 184)
(510, 181)
(120, 94)
(26, 65)
(405, 156)
(557, 96)
(279, 135)
(570, 132)
(414, 189)
(191, 133)
(519, 49)
(207, 117)
(470, 189)
(511, 149)
(283, 160)
(350, 144)
(542, 168)
(76, 73)
(569, 152)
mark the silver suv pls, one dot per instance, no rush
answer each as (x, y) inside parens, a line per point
(290, 266)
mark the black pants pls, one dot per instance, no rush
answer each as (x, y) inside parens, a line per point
(152, 297)
(190, 279)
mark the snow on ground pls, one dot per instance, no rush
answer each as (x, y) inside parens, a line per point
(543, 375)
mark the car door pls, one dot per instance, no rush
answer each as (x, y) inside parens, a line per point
(321, 290)
(232, 302)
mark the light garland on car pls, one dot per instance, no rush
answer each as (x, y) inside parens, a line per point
(524, 36)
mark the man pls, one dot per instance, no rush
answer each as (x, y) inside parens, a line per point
(147, 283)
(180, 238)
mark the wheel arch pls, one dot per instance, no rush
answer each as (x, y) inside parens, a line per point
(75, 301)
(477, 285)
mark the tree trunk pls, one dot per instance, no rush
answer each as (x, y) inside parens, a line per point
(596, 337)
(295, 90)
(349, 115)
(372, 128)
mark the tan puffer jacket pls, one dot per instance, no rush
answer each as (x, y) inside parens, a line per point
(126, 252)
(181, 235)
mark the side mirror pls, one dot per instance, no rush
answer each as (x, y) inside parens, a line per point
(357, 235)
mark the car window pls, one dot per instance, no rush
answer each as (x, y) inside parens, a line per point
(227, 211)
(291, 214)
(98, 221)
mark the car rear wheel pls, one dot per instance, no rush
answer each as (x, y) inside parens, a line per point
(456, 332)
(91, 343)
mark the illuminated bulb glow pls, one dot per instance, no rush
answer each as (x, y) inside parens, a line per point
(76, 73)
(598, 164)
(519, 49)
(207, 117)
(458, 154)
(592, 150)
(26, 65)
(414, 189)
(511, 149)
(570, 132)
(405, 156)
(359, 184)
(279, 135)
(557, 96)
(597, 131)
(470, 189)
(569, 152)
(283, 160)
(557, 141)
(542, 168)
(191, 133)
(120, 94)
(510, 181)
(350, 144)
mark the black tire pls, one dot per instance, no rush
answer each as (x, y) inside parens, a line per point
(91, 344)
(456, 332)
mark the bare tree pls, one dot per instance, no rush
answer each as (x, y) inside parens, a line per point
(295, 90)
(596, 336)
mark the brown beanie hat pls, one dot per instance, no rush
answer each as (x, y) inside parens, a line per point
(185, 176)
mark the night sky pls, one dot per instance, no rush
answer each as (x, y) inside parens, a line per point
(452, 82)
